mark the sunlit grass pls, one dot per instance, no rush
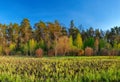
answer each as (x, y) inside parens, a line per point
(60, 69)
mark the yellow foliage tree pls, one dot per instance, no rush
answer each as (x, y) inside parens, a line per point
(62, 45)
(1, 50)
(72, 47)
(118, 46)
(32, 46)
(12, 46)
(78, 41)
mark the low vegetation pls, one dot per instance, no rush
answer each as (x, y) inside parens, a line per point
(60, 69)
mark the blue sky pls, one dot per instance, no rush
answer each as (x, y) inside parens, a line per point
(102, 14)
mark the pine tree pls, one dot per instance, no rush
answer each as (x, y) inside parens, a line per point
(89, 42)
(39, 30)
(25, 31)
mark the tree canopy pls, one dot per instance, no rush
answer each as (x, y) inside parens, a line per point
(52, 36)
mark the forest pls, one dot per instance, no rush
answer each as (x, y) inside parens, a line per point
(51, 52)
(54, 39)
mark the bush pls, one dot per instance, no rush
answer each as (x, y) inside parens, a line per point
(107, 52)
(88, 51)
(76, 52)
(73, 52)
(119, 53)
(80, 52)
(95, 52)
(104, 52)
(114, 52)
(51, 52)
(7, 51)
(39, 52)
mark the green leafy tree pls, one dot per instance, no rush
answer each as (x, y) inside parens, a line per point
(115, 46)
(42, 44)
(25, 49)
(102, 43)
(89, 42)
(12, 47)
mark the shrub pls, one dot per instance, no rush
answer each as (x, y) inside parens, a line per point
(80, 52)
(7, 51)
(51, 52)
(108, 46)
(39, 52)
(95, 52)
(118, 52)
(77, 52)
(105, 52)
(114, 52)
(88, 51)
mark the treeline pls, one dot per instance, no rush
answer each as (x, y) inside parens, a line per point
(53, 39)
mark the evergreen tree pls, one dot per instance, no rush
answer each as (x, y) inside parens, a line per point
(25, 31)
(39, 30)
(89, 42)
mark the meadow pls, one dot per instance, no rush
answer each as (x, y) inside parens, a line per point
(60, 69)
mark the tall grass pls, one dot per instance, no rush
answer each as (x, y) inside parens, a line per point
(65, 69)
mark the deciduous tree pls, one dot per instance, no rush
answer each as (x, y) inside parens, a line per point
(78, 41)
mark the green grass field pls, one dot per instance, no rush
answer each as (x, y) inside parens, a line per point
(60, 69)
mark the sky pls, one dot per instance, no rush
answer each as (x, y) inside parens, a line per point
(102, 14)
